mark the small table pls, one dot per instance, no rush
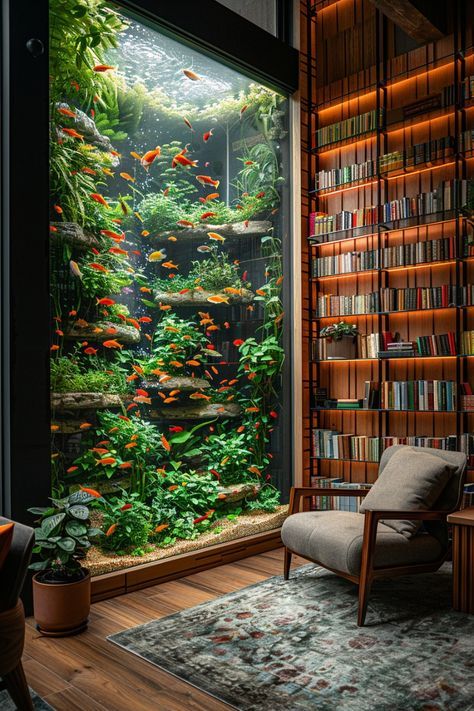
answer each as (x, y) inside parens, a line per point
(463, 559)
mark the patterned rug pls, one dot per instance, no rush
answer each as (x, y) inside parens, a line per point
(39, 704)
(295, 645)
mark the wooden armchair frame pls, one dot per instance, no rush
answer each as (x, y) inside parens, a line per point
(368, 573)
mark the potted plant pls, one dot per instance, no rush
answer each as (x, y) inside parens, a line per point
(340, 340)
(61, 586)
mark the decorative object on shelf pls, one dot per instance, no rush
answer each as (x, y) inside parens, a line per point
(61, 586)
(340, 340)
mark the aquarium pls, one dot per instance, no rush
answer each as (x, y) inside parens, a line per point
(169, 213)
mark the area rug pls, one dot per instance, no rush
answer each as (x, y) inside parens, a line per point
(39, 704)
(295, 645)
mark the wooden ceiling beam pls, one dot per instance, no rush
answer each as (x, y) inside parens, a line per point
(423, 20)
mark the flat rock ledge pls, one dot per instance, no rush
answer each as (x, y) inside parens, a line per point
(229, 230)
(125, 334)
(179, 382)
(85, 125)
(104, 486)
(237, 492)
(74, 235)
(85, 401)
(197, 412)
(202, 297)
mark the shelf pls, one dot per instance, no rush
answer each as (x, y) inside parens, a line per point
(421, 265)
(364, 360)
(391, 226)
(390, 313)
(350, 140)
(381, 409)
(340, 459)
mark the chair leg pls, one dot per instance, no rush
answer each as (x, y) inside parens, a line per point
(17, 687)
(286, 564)
(365, 583)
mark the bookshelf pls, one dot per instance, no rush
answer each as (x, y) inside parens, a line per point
(388, 162)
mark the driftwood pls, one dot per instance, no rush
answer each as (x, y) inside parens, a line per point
(231, 230)
(74, 235)
(177, 382)
(196, 412)
(124, 333)
(86, 401)
(202, 297)
(237, 492)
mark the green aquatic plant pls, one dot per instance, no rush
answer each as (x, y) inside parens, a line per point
(227, 453)
(84, 374)
(212, 274)
(261, 173)
(104, 275)
(126, 524)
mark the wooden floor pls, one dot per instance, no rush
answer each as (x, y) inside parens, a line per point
(87, 673)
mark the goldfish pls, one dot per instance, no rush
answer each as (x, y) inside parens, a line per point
(131, 378)
(165, 307)
(161, 527)
(72, 133)
(260, 292)
(58, 209)
(145, 290)
(116, 236)
(165, 443)
(172, 394)
(207, 180)
(111, 530)
(85, 426)
(215, 236)
(90, 351)
(125, 465)
(103, 67)
(217, 299)
(205, 215)
(144, 319)
(252, 409)
(166, 192)
(71, 470)
(176, 364)
(122, 417)
(206, 136)
(191, 75)
(244, 276)
(279, 281)
(226, 324)
(130, 445)
(74, 267)
(193, 362)
(259, 195)
(67, 112)
(149, 157)
(185, 223)
(248, 162)
(118, 250)
(199, 396)
(204, 248)
(54, 428)
(108, 461)
(172, 238)
(157, 256)
(278, 318)
(188, 123)
(211, 196)
(134, 154)
(243, 110)
(239, 207)
(169, 399)
(98, 198)
(75, 85)
(213, 328)
(99, 450)
(112, 344)
(203, 200)
(182, 160)
(88, 171)
(98, 267)
(169, 265)
(111, 331)
(144, 233)
(127, 176)
(138, 369)
(231, 290)
(105, 302)
(255, 470)
(108, 172)
(238, 342)
(52, 228)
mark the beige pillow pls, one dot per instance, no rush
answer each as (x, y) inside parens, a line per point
(410, 481)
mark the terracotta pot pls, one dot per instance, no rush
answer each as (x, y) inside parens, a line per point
(344, 348)
(61, 609)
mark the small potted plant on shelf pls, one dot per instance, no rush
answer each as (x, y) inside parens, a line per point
(61, 585)
(340, 340)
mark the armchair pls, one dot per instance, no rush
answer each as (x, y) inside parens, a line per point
(382, 540)
(12, 616)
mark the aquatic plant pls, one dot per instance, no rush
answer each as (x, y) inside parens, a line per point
(260, 173)
(104, 274)
(228, 454)
(64, 535)
(267, 499)
(212, 274)
(126, 524)
(84, 374)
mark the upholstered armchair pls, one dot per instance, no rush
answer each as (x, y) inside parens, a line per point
(12, 616)
(401, 528)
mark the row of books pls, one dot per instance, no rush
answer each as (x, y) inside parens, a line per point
(467, 88)
(397, 256)
(331, 444)
(443, 344)
(452, 443)
(336, 503)
(423, 395)
(447, 196)
(389, 299)
(418, 154)
(354, 126)
(467, 342)
(383, 345)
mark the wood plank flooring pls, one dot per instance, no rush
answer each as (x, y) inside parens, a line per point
(87, 673)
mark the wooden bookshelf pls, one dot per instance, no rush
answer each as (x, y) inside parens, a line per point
(424, 101)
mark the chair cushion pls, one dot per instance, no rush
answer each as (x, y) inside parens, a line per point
(410, 481)
(6, 537)
(334, 539)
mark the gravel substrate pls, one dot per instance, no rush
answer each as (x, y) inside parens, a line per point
(99, 562)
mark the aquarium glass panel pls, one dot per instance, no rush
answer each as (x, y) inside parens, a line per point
(169, 230)
(260, 12)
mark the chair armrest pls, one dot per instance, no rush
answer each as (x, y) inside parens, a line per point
(379, 514)
(299, 492)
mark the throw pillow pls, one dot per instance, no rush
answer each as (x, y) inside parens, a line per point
(6, 536)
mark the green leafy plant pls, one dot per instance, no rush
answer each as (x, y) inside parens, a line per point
(212, 274)
(126, 524)
(267, 499)
(75, 374)
(113, 275)
(64, 535)
(335, 331)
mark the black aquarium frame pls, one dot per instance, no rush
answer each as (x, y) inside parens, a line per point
(24, 258)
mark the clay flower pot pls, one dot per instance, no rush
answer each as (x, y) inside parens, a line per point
(61, 609)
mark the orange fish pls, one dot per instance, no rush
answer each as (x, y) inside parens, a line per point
(211, 196)
(243, 110)
(98, 198)
(279, 281)
(134, 154)
(72, 133)
(199, 396)
(169, 399)
(132, 377)
(191, 75)
(145, 290)
(111, 530)
(138, 369)
(172, 239)
(207, 180)
(54, 428)
(182, 160)
(108, 172)
(112, 344)
(103, 67)
(217, 299)
(169, 265)
(108, 461)
(205, 215)
(215, 236)
(85, 426)
(165, 443)
(185, 223)
(111, 331)
(161, 527)
(127, 176)
(206, 136)
(231, 290)
(165, 307)
(150, 156)
(88, 171)
(144, 319)
(144, 233)
(193, 362)
(261, 194)
(105, 302)
(90, 351)
(188, 123)
(116, 236)
(71, 470)
(98, 267)
(67, 112)
(118, 250)
(58, 209)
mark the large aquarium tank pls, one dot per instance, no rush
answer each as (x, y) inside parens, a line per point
(169, 184)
